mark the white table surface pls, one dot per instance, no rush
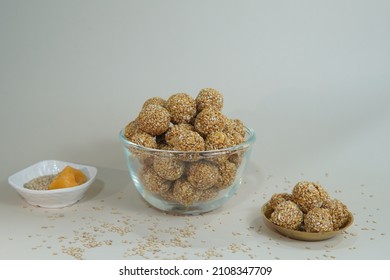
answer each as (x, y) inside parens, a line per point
(312, 79)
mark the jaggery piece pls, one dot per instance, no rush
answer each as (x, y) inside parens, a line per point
(182, 108)
(288, 215)
(68, 177)
(154, 119)
(202, 174)
(209, 97)
(318, 220)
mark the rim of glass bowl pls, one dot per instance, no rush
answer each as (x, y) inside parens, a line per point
(250, 138)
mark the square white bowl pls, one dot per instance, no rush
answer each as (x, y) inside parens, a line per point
(57, 198)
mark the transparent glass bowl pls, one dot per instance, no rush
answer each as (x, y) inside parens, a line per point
(184, 187)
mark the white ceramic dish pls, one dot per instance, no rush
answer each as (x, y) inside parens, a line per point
(51, 198)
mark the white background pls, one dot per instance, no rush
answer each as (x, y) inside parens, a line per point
(311, 77)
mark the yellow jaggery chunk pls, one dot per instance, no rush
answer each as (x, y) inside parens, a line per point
(68, 177)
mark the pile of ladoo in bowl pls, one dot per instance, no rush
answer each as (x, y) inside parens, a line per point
(183, 154)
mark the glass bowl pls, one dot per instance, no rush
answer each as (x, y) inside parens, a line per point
(187, 183)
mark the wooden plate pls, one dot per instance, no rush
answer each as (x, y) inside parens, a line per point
(301, 235)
